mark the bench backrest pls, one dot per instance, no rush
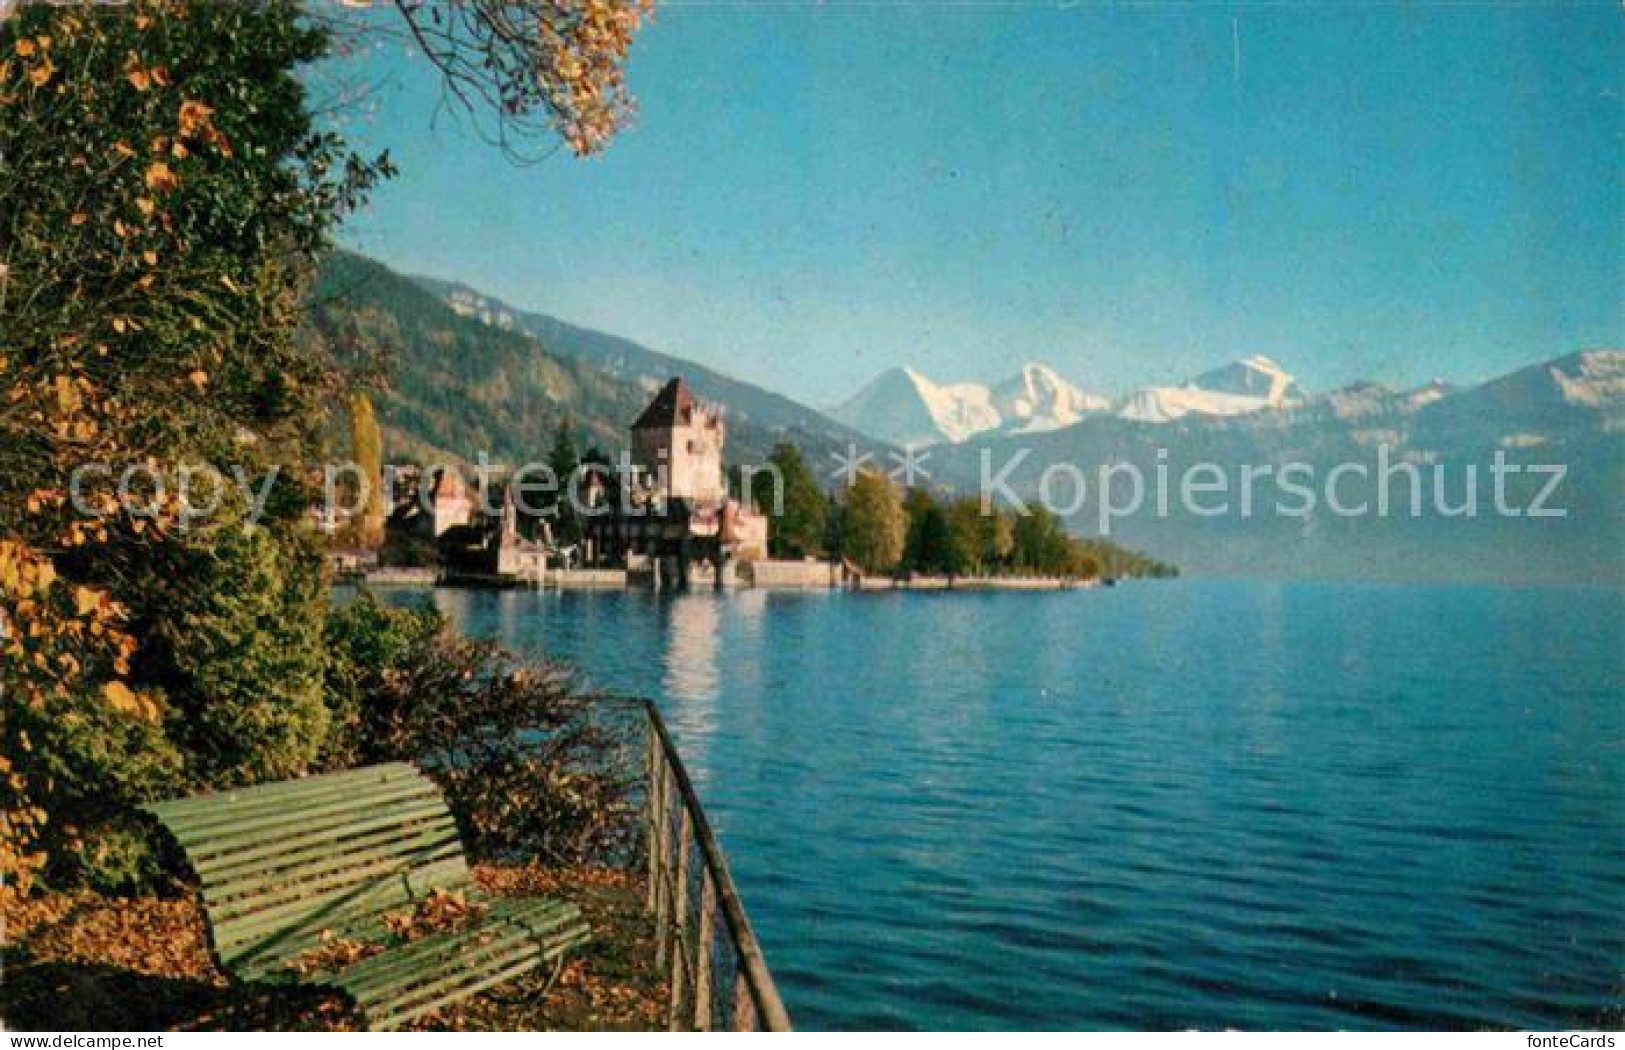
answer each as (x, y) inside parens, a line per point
(283, 864)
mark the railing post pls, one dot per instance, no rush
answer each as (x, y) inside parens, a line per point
(681, 968)
(744, 1011)
(662, 876)
(752, 1001)
(702, 952)
(652, 804)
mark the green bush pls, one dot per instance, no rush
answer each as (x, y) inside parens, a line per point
(533, 765)
(238, 647)
(368, 643)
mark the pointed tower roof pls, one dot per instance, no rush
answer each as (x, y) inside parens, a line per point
(673, 406)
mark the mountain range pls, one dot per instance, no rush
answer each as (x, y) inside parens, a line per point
(905, 407)
(1566, 414)
(470, 373)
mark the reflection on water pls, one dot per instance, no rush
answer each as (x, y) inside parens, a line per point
(1168, 805)
(691, 674)
(691, 677)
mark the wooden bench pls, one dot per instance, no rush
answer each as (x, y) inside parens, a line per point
(290, 867)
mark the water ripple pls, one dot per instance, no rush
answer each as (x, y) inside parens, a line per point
(1167, 806)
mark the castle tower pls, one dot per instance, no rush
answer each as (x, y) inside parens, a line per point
(679, 441)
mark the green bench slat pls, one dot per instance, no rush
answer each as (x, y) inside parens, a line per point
(414, 993)
(248, 808)
(302, 811)
(337, 907)
(208, 858)
(223, 801)
(285, 867)
(224, 872)
(369, 974)
(318, 864)
(306, 890)
(396, 1017)
(276, 926)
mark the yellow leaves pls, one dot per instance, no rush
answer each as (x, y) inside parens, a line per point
(87, 600)
(120, 696)
(78, 218)
(194, 116)
(230, 284)
(145, 205)
(23, 573)
(123, 149)
(142, 23)
(143, 79)
(150, 257)
(67, 394)
(160, 179)
(199, 379)
(120, 230)
(39, 499)
(123, 698)
(121, 325)
(44, 69)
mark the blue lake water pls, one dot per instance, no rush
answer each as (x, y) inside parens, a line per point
(1169, 805)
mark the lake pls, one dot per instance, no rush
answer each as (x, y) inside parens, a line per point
(1164, 805)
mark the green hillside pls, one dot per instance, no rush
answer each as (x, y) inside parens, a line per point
(451, 386)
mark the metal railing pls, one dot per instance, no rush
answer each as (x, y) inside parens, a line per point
(716, 982)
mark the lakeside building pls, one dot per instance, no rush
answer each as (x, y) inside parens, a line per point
(669, 514)
(480, 553)
(663, 518)
(447, 506)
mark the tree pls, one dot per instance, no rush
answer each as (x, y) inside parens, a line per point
(797, 530)
(834, 527)
(163, 195)
(970, 537)
(368, 449)
(925, 540)
(525, 71)
(1031, 539)
(564, 462)
(873, 523)
(1001, 538)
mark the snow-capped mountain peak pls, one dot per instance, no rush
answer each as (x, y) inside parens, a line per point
(1248, 384)
(906, 407)
(1039, 398)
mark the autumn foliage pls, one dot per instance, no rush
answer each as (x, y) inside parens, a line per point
(163, 193)
(527, 72)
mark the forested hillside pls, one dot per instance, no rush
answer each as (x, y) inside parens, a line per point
(451, 386)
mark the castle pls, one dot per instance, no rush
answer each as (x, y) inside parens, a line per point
(664, 515)
(674, 518)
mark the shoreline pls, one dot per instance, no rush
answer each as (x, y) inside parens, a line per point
(784, 576)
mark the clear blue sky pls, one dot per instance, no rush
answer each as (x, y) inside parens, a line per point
(813, 193)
